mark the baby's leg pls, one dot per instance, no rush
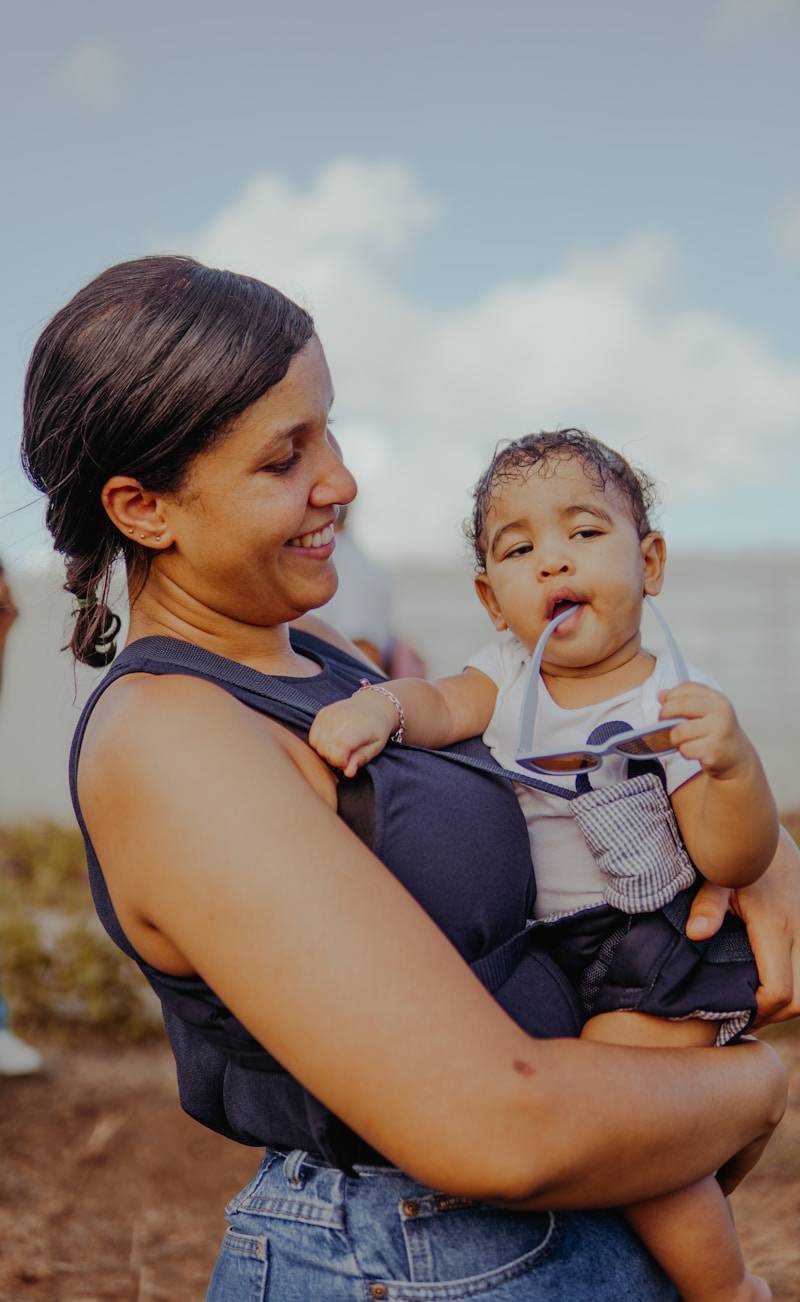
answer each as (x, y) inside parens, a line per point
(690, 1232)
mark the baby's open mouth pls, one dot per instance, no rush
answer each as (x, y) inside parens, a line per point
(559, 602)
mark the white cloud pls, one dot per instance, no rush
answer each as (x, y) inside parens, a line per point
(91, 73)
(787, 230)
(697, 399)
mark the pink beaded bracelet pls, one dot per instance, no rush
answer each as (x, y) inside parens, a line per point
(367, 686)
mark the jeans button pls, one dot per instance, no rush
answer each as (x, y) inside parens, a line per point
(378, 1290)
(410, 1207)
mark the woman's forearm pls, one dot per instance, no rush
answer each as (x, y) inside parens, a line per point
(611, 1125)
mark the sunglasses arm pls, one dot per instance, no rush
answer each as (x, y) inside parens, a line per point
(678, 663)
(530, 700)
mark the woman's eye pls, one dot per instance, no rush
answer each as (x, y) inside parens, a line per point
(282, 467)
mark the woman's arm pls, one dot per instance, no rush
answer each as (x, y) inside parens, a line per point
(249, 874)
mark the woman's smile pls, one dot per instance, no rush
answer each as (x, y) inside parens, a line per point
(317, 544)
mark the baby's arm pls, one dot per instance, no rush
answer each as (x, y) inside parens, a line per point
(727, 813)
(350, 733)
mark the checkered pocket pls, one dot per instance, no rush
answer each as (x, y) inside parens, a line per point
(631, 831)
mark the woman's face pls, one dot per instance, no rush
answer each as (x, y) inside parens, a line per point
(253, 524)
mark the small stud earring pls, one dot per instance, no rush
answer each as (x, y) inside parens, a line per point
(142, 536)
(159, 536)
(130, 531)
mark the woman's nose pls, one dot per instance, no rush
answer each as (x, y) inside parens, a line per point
(335, 484)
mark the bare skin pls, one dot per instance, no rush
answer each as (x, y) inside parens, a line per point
(227, 869)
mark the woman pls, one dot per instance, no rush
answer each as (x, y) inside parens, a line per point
(317, 1003)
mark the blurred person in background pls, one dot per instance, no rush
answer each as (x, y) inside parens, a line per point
(361, 607)
(16, 1057)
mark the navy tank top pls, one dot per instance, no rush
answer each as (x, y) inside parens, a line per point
(446, 823)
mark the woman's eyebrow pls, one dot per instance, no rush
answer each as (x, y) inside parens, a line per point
(301, 427)
(280, 436)
(582, 508)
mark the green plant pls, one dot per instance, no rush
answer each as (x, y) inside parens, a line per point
(43, 865)
(59, 969)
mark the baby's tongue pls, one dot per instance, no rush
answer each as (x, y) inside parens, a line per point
(561, 606)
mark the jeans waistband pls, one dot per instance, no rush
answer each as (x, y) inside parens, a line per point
(296, 1158)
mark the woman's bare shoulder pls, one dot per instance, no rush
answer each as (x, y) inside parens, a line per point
(172, 729)
(142, 711)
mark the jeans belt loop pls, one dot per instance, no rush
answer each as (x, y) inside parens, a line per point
(293, 1168)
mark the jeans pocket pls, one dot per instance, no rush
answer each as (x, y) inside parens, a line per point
(460, 1250)
(240, 1274)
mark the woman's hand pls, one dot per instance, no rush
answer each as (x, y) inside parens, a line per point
(770, 909)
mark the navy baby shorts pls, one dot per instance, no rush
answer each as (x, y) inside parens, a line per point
(644, 962)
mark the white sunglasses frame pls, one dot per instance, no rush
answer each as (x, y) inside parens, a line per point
(526, 758)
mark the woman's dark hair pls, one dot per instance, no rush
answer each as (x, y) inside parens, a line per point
(143, 369)
(519, 457)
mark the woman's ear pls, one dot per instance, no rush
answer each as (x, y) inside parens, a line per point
(488, 600)
(138, 514)
(654, 559)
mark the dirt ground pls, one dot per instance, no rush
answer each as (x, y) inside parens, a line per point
(107, 1191)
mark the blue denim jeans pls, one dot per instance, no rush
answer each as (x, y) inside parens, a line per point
(305, 1232)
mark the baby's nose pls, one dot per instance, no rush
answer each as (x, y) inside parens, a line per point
(550, 565)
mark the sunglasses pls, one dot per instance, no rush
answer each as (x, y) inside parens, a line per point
(640, 743)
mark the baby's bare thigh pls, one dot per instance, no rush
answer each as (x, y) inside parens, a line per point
(650, 1032)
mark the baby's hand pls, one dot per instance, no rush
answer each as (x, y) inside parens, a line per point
(350, 733)
(711, 734)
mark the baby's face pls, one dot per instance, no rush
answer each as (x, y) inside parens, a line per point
(555, 539)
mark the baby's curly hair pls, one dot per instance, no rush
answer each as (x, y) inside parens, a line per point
(519, 457)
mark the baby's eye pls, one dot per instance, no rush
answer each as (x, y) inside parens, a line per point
(587, 533)
(519, 550)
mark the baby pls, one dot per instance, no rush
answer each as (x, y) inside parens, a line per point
(561, 524)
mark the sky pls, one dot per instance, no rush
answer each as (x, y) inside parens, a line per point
(504, 217)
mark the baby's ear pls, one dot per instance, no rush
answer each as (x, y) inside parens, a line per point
(489, 602)
(654, 560)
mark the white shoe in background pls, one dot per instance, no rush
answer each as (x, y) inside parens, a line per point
(18, 1058)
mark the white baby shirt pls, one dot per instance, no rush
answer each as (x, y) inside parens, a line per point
(567, 876)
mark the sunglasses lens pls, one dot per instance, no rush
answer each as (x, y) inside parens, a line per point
(656, 742)
(577, 762)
